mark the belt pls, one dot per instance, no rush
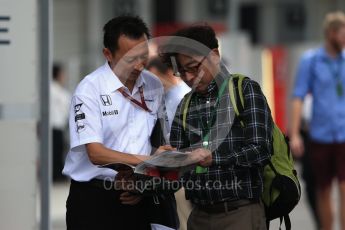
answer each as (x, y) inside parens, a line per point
(96, 183)
(225, 206)
(107, 185)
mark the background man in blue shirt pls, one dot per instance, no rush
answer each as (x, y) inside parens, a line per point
(322, 74)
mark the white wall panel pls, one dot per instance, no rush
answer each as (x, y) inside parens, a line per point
(18, 175)
(18, 60)
(19, 74)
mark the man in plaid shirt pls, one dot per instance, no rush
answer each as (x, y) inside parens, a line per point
(226, 186)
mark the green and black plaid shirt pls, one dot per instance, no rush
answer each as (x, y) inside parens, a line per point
(239, 154)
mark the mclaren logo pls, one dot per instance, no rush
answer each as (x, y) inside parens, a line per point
(106, 100)
(77, 107)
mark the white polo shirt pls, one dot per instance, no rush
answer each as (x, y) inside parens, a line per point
(100, 113)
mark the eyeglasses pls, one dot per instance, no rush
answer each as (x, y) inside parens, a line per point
(192, 70)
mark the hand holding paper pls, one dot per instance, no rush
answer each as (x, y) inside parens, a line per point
(202, 156)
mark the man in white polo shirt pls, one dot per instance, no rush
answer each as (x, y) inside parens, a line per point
(113, 112)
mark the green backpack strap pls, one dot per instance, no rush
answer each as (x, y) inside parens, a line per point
(238, 105)
(185, 110)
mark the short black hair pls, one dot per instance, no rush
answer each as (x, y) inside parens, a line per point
(57, 69)
(158, 64)
(192, 40)
(200, 33)
(131, 26)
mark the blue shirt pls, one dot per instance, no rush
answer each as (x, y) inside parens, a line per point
(319, 74)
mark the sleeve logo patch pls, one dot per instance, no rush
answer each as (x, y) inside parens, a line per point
(79, 117)
(77, 107)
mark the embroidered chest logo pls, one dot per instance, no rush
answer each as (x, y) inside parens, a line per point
(106, 100)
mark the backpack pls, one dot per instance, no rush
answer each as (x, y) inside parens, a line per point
(282, 190)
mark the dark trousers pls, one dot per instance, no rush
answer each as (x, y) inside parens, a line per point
(58, 154)
(90, 207)
(307, 174)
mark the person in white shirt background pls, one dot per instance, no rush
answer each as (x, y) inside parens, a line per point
(113, 112)
(175, 89)
(60, 100)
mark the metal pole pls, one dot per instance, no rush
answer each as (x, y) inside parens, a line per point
(45, 134)
(233, 16)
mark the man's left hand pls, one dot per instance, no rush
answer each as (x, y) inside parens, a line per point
(206, 162)
(203, 156)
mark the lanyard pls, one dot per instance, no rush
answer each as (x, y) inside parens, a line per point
(336, 72)
(206, 131)
(141, 104)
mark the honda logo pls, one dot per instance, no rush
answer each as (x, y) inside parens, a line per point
(106, 100)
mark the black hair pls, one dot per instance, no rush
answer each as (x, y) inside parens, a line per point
(192, 40)
(57, 69)
(200, 33)
(158, 64)
(131, 26)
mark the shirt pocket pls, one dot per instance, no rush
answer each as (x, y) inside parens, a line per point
(323, 76)
(152, 104)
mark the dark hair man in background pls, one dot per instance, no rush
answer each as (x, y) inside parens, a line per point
(174, 87)
(60, 100)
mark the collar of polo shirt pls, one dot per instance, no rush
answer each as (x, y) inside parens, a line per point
(114, 83)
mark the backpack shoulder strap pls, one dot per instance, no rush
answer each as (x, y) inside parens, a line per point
(185, 106)
(237, 92)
